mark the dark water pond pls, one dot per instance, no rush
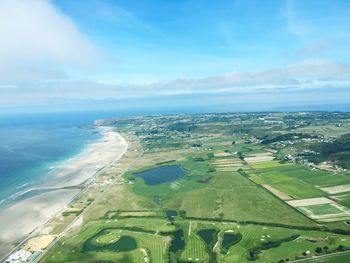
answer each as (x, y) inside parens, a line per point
(171, 214)
(208, 235)
(162, 174)
(124, 243)
(229, 239)
(178, 241)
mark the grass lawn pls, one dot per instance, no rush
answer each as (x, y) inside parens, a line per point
(194, 249)
(255, 235)
(69, 249)
(329, 180)
(337, 258)
(242, 203)
(289, 185)
(229, 180)
(343, 198)
(268, 164)
(323, 209)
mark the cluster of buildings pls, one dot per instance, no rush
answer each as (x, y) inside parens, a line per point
(21, 256)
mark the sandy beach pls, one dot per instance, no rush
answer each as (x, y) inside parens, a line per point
(26, 215)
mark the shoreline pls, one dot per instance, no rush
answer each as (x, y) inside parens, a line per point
(38, 174)
(25, 216)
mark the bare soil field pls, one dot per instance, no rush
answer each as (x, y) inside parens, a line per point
(227, 161)
(337, 189)
(138, 213)
(39, 243)
(222, 154)
(321, 209)
(229, 164)
(259, 157)
(338, 212)
(310, 201)
(277, 192)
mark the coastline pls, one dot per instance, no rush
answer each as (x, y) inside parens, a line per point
(70, 178)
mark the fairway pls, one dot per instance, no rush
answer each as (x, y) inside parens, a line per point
(208, 196)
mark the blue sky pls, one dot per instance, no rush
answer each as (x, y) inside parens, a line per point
(74, 52)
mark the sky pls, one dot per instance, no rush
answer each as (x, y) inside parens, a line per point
(211, 55)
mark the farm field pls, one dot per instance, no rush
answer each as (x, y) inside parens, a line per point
(222, 189)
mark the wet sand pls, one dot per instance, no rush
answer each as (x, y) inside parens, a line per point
(24, 216)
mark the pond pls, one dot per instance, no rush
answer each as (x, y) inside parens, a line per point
(124, 243)
(177, 242)
(171, 214)
(208, 235)
(228, 240)
(162, 174)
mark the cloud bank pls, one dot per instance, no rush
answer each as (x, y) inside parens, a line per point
(37, 40)
(41, 49)
(306, 75)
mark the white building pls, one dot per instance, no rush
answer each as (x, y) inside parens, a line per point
(19, 256)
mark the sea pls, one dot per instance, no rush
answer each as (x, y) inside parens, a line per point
(32, 145)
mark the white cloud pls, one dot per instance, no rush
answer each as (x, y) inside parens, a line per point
(35, 36)
(305, 75)
(313, 48)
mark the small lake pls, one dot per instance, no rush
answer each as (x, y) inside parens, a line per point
(124, 243)
(171, 214)
(162, 174)
(208, 235)
(177, 242)
(229, 239)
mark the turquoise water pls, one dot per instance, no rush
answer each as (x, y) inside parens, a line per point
(32, 145)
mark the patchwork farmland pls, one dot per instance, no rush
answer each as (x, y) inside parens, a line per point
(217, 188)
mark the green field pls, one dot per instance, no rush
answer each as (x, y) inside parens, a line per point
(267, 165)
(216, 194)
(323, 209)
(341, 258)
(343, 198)
(228, 180)
(289, 185)
(70, 249)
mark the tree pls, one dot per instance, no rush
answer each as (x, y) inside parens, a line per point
(318, 250)
(340, 248)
